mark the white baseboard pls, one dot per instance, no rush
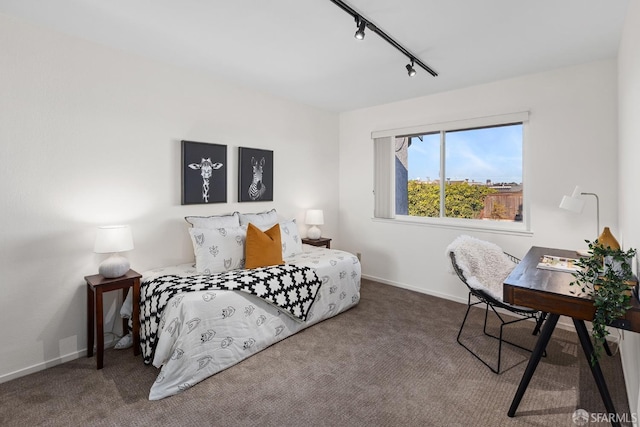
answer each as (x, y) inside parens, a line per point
(53, 362)
(564, 322)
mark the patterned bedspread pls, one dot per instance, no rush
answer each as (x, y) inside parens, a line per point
(203, 332)
(289, 287)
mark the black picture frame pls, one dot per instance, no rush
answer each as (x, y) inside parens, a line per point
(204, 173)
(259, 162)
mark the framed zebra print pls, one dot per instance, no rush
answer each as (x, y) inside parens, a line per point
(255, 175)
(204, 173)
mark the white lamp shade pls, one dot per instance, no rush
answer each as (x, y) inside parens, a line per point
(572, 204)
(314, 217)
(113, 239)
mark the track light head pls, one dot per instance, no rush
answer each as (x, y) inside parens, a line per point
(361, 23)
(410, 70)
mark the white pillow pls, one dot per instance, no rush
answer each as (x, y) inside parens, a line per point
(214, 221)
(260, 220)
(218, 250)
(291, 241)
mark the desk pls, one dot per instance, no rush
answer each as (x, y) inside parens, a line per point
(549, 291)
(96, 286)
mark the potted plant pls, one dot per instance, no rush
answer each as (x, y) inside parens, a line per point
(606, 276)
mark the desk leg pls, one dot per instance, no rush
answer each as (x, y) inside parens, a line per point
(136, 317)
(90, 316)
(541, 345)
(585, 341)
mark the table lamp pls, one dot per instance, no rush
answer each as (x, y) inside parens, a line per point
(113, 239)
(314, 218)
(575, 204)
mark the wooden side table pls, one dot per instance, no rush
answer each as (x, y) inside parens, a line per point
(96, 285)
(322, 241)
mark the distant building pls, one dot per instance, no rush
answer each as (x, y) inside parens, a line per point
(402, 175)
(506, 204)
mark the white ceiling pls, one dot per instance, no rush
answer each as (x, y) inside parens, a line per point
(304, 50)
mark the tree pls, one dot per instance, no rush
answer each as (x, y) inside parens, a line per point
(424, 199)
(461, 199)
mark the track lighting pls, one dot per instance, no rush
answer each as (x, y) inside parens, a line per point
(361, 23)
(410, 70)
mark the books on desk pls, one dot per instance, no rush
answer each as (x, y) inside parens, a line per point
(556, 263)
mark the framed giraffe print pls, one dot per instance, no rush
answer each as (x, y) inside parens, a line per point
(204, 173)
(255, 175)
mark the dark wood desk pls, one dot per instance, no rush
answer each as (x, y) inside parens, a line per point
(550, 291)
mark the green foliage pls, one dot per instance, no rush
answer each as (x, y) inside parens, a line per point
(424, 199)
(461, 199)
(605, 276)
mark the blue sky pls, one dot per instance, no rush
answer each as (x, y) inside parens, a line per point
(477, 154)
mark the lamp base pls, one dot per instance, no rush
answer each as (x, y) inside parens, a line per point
(314, 233)
(114, 266)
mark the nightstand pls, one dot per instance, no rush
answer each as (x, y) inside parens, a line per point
(322, 241)
(96, 285)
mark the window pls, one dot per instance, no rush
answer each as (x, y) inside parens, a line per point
(470, 170)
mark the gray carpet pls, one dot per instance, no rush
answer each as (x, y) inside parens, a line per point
(391, 361)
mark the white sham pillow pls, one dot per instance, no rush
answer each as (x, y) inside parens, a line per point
(290, 237)
(218, 250)
(260, 220)
(291, 241)
(214, 221)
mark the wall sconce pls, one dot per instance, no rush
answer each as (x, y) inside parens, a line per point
(314, 218)
(112, 240)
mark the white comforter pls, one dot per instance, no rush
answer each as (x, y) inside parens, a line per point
(208, 331)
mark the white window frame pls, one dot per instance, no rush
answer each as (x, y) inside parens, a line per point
(384, 174)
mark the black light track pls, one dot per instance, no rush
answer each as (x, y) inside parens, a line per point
(371, 26)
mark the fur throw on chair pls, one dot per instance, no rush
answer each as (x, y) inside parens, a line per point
(484, 264)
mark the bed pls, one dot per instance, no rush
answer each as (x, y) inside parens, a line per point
(192, 335)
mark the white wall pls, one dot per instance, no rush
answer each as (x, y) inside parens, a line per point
(91, 136)
(629, 174)
(571, 140)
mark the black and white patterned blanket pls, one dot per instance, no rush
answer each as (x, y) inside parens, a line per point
(289, 287)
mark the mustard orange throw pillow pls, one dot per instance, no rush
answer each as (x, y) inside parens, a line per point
(263, 248)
